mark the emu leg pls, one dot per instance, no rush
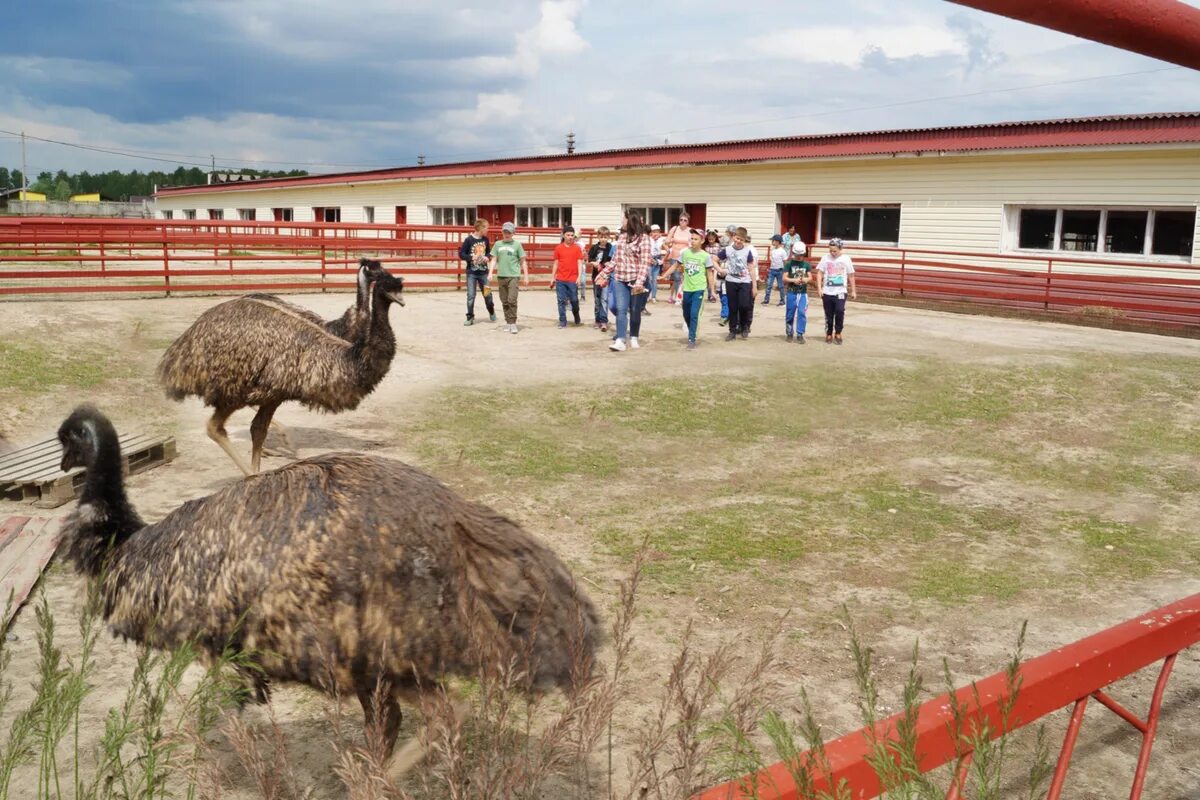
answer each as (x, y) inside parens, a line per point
(382, 704)
(413, 751)
(216, 432)
(258, 432)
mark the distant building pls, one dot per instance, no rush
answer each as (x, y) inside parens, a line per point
(9, 195)
(1119, 188)
(91, 197)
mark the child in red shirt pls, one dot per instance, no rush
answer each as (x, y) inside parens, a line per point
(569, 259)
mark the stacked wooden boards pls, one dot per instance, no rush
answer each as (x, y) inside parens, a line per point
(32, 474)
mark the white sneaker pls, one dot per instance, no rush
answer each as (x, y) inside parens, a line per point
(633, 343)
(512, 328)
(617, 345)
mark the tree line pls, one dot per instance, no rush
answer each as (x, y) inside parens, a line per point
(119, 185)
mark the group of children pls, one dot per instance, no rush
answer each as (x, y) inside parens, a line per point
(700, 264)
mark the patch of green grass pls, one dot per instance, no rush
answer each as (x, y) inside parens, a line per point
(954, 582)
(30, 367)
(531, 454)
(1135, 551)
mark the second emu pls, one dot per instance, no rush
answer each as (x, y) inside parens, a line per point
(347, 568)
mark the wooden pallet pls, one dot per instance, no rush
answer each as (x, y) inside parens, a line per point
(32, 473)
(26, 545)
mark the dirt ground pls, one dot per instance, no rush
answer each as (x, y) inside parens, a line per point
(873, 493)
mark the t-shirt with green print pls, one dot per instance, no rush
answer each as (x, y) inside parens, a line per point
(695, 264)
(797, 269)
(508, 258)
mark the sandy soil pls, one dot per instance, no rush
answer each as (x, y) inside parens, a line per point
(436, 352)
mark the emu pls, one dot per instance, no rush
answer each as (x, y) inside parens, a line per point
(344, 572)
(262, 353)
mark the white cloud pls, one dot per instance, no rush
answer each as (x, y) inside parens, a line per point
(847, 45)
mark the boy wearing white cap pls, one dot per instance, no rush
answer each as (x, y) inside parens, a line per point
(797, 275)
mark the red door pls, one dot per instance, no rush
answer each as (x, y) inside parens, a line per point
(696, 211)
(803, 216)
(401, 219)
(490, 215)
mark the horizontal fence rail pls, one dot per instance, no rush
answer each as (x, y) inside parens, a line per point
(1065, 677)
(57, 255)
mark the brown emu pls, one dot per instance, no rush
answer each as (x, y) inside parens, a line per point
(262, 353)
(352, 320)
(343, 572)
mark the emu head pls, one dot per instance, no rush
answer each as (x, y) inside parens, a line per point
(390, 286)
(80, 436)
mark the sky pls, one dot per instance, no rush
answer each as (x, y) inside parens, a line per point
(366, 84)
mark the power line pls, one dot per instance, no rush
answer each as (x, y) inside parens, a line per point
(184, 158)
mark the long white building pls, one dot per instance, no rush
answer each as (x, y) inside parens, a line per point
(1100, 189)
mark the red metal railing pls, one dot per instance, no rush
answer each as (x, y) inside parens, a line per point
(1069, 675)
(40, 256)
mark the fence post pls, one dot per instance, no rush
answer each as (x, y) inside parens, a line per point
(1049, 271)
(903, 258)
(166, 265)
(103, 265)
(324, 266)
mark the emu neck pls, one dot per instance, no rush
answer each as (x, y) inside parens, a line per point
(104, 518)
(377, 345)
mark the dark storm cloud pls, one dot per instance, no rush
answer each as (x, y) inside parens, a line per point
(157, 62)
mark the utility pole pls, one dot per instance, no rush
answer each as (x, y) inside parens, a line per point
(24, 171)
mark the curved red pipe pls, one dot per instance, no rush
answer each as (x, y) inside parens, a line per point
(1164, 29)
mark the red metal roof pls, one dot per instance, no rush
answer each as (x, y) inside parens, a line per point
(1134, 129)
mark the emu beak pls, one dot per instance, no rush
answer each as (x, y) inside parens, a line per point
(397, 297)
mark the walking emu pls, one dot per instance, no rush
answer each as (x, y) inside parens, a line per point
(262, 353)
(345, 566)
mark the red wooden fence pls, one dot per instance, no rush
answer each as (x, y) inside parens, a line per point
(56, 255)
(1068, 676)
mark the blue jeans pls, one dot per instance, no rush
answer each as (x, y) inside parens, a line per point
(652, 280)
(600, 300)
(796, 314)
(478, 279)
(627, 307)
(724, 305)
(676, 280)
(567, 292)
(692, 303)
(774, 276)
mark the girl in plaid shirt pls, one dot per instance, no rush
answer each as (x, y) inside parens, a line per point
(628, 270)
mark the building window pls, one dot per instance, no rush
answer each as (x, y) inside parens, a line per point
(247, 214)
(282, 214)
(189, 213)
(452, 215)
(327, 214)
(543, 216)
(872, 224)
(369, 214)
(1119, 231)
(216, 213)
(168, 214)
(664, 216)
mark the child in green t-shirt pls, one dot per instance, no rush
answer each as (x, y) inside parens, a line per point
(698, 267)
(797, 275)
